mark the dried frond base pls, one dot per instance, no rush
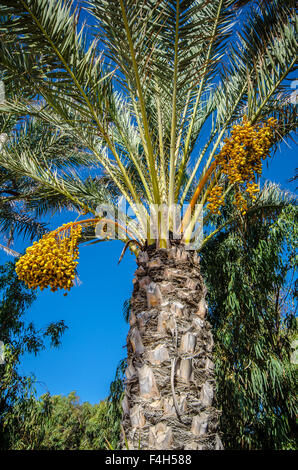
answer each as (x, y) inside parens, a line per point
(169, 398)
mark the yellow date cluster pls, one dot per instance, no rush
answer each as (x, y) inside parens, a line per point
(51, 262)
(216, 199)
(240, 160)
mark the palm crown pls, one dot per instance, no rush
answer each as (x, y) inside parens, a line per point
(171, 102)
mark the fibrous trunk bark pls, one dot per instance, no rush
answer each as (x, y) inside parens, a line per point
(169, 398)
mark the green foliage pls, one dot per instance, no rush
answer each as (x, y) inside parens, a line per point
(63, 423)
(18, 337)
(115, 399)
(249, 272)
(60, 423)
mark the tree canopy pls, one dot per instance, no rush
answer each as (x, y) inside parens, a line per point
(18, 337)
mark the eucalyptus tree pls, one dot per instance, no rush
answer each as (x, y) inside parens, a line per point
(176, 102)
(60, 423)
(19, 337)
(252, 306)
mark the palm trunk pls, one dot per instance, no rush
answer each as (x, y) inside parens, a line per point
(169, 395)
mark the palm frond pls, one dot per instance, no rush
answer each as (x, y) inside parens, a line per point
(149, 124)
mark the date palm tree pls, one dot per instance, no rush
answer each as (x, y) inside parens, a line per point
(176, 103)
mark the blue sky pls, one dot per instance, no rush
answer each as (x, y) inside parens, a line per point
(95, 340)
